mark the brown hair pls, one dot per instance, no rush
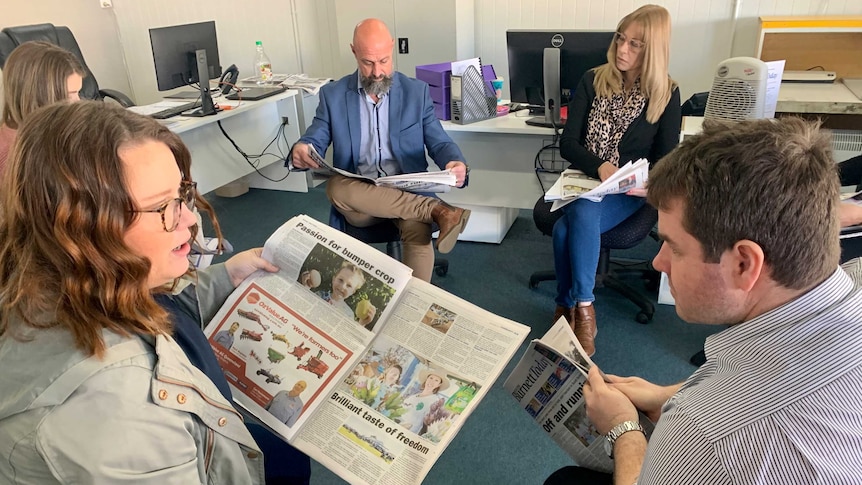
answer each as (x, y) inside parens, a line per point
(64, 213)
(35, 75)
(773, 182)
(656, 84)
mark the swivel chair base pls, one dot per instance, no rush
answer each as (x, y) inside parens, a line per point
(606, 277)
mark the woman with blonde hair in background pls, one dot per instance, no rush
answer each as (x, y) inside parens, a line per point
(622, 111)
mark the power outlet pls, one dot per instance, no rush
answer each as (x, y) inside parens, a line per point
(106, 3)
(285, 120)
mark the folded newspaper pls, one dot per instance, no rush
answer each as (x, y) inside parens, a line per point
(548, 383)
(438, 181)
(308, 84)
(345, 355)
(574, 184)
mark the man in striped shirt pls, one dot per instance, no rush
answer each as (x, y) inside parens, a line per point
(748, 215)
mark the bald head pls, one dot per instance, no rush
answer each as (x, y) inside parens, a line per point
(371, 31)
(372, 46)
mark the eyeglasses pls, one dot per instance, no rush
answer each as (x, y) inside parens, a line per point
(172, 210)
(635, 44)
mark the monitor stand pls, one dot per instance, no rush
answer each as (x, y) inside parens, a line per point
(540, 121)
(207, 107)
(184, 95)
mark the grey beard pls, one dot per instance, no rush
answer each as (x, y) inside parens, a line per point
(376, 88)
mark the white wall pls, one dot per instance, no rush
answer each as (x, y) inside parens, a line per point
(704, 31)
(94, 28)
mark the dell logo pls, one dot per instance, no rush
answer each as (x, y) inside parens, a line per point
(557, 40)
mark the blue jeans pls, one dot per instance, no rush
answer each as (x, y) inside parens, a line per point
(577, 240)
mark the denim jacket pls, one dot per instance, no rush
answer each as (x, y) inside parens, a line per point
(142, 414)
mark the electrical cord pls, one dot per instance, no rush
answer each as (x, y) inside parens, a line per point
(538, 166)
(248, 158)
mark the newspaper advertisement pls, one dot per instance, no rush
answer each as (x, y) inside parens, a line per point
(370, 375)
(428, 182)
(548, 384)
(574, 184)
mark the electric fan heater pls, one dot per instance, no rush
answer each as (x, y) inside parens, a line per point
(738, 90)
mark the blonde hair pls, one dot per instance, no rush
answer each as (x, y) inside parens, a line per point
(354, 270)
(656, 84)
(35, 75)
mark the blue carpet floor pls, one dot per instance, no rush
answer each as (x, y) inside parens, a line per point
(499, 443)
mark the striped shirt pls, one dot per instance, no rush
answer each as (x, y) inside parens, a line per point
(779, 400)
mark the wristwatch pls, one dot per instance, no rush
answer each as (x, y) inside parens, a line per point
(618, 431)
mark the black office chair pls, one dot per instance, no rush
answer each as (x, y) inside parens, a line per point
(382, 232)
(627, 234)
(12, 37)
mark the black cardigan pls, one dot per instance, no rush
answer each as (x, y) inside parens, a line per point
(642, 139)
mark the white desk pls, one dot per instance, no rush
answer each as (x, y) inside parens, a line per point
(251, 124)
(827, 98)
(500, 152)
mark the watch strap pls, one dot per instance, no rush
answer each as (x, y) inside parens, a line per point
(620, 430)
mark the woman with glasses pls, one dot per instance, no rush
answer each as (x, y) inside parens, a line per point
(622, 111)
(35, 74)
(95, 224)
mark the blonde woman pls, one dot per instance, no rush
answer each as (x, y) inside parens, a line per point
(624, 110)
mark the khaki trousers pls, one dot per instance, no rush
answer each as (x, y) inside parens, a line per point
(363, 204)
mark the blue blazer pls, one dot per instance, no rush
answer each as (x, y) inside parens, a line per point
(413, 127)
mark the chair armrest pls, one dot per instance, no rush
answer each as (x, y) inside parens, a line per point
(117, 96)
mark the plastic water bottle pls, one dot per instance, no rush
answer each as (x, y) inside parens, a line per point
(262, 64)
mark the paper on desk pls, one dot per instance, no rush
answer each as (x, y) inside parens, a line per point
(460, 67)
(149, 109)
(773, 85)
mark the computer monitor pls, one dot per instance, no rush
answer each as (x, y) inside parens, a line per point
(181, 53)
(565, 54)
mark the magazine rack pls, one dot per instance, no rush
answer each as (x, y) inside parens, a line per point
(471, 100)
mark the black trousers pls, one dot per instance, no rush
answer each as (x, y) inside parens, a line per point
(575, 475)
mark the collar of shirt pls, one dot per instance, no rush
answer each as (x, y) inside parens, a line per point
(831, 291)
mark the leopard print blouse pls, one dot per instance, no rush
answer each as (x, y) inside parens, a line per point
(609, 119)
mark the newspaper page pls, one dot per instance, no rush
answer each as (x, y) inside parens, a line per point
(436, 182)
(390, 419)
(286, 339)
(548, 383)
(373, 385)
(306, 83)
(574, 184)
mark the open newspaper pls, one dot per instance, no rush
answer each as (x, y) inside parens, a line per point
(438, 181)
(344, 354)
(548, 383)
(574, 184)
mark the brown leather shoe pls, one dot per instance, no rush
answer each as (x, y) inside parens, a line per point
(451, 221)
(562, 311)
(584, 326)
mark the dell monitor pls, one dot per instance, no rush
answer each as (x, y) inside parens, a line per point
(181, 53)
(545, 66)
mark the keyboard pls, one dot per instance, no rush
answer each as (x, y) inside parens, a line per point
(175, 111)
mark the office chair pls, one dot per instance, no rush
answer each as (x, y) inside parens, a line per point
(12, 37)
(627, 234)
(382, 232)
